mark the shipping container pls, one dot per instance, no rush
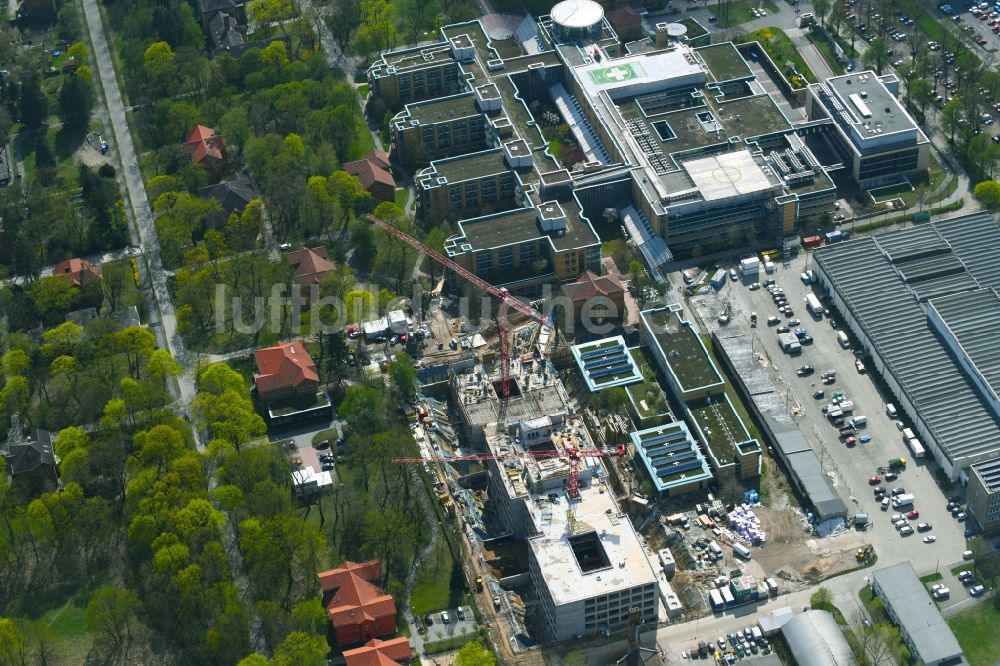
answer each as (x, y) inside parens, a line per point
(750, 266)
(716, 598)
(834, 237)
(812, 241)
(719, 279)
(846, 407)
(727, 596)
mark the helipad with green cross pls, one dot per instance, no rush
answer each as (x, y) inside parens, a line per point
(617, 73)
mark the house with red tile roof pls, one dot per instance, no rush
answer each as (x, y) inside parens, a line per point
(206, 147)
(392, 652)
(358, 609)
(77, 271)
(309, 266)
(374, 174)
(598, 296)
(285, 370)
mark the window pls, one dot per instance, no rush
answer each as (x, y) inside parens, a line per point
(484, 261)
(527, 252)
(506, 256)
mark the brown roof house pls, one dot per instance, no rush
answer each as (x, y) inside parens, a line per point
(207, 148)
(598, 297)
(85, 276)
(392, 652)
(374, 174)
(78, 271)
(32, 463)
(285, 370)
(310, 265)
(358, 609)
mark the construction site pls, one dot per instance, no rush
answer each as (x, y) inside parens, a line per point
(587, 516)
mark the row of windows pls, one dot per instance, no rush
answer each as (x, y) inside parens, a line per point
(897, 163)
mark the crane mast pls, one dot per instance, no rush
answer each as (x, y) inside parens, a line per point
(507, 301)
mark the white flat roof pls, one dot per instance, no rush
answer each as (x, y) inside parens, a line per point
(309, 475)
(577, 13)
(727, 175)
(643, 73)
(629, 566)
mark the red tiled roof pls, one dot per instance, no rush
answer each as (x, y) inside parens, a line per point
(378, 157)
(590, 284)
(309, 264)
(355, 598)
(369, 173)
(203, 142)
(380, 653)
(285, 364)
(76, 270)
(331, 579)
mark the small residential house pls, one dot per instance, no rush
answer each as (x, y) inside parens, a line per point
(208, 9)
(358, 609)
(226, 33)
(374, 174)
(207, 148)
(79, 272)
(285, 370)
(310, 265)
(32, 463)
(597, 296)
(390, 652)
(233, 195)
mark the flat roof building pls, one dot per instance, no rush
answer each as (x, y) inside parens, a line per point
(683, 146)
(908, 604)
(874, 134)
(606, 363)
(671, 456)
(982, 495)
(905, 295)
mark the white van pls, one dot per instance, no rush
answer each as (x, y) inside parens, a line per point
(890, 410)
(859, 421)
(741, 550)
(842, 339)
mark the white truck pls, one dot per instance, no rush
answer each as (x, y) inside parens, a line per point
(814, 306)
(899, 501)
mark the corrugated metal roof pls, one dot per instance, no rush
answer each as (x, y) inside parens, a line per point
(893, 318)
(816, 640)
(974, 319)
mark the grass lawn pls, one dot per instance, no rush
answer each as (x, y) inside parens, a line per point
(739, 12)
(976, 631)
(889, 192)
(825, 47)
(931, 577)
(401, 195)
(780, 48)
(440, 584)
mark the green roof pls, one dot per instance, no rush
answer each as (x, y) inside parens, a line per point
(725, 62)
(683, 350)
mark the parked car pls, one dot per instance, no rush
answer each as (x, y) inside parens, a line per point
(874, 480)
(913, 515)
(977, 590)
(924, 527)
(930, 538)
(805, 370)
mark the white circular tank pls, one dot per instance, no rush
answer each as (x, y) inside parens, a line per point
(676, 30)
(577, 19)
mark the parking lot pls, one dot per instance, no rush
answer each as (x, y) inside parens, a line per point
(851, 468)
(438, 630)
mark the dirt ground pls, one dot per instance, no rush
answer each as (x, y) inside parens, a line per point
(87, 154)
(795, 555)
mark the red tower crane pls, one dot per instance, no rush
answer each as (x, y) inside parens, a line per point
(573, 454)
(506, 300)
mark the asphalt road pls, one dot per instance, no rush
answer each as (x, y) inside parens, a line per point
(141, 212)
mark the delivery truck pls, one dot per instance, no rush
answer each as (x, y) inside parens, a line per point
(814, 306)
(899, 501)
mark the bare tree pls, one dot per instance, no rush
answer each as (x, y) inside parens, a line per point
(876, 641)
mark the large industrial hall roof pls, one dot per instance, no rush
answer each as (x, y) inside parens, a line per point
(885, 281)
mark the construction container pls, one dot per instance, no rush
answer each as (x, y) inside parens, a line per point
(744, 589)
(812, 241)
(750, 266)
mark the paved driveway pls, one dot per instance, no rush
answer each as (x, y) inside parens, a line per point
(439, 631)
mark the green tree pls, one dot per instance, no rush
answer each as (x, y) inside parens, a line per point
(14, 649)
(404, 375)
(876, 55)
(474, 654)
(53, 298)
(111, 620)
(821, 599)
(300, 649)
(75, 103)
(988, 194)
(33, 106)
(821, 8)
(116, 277)
(642, 287)
(160, 68)
(951, 118)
